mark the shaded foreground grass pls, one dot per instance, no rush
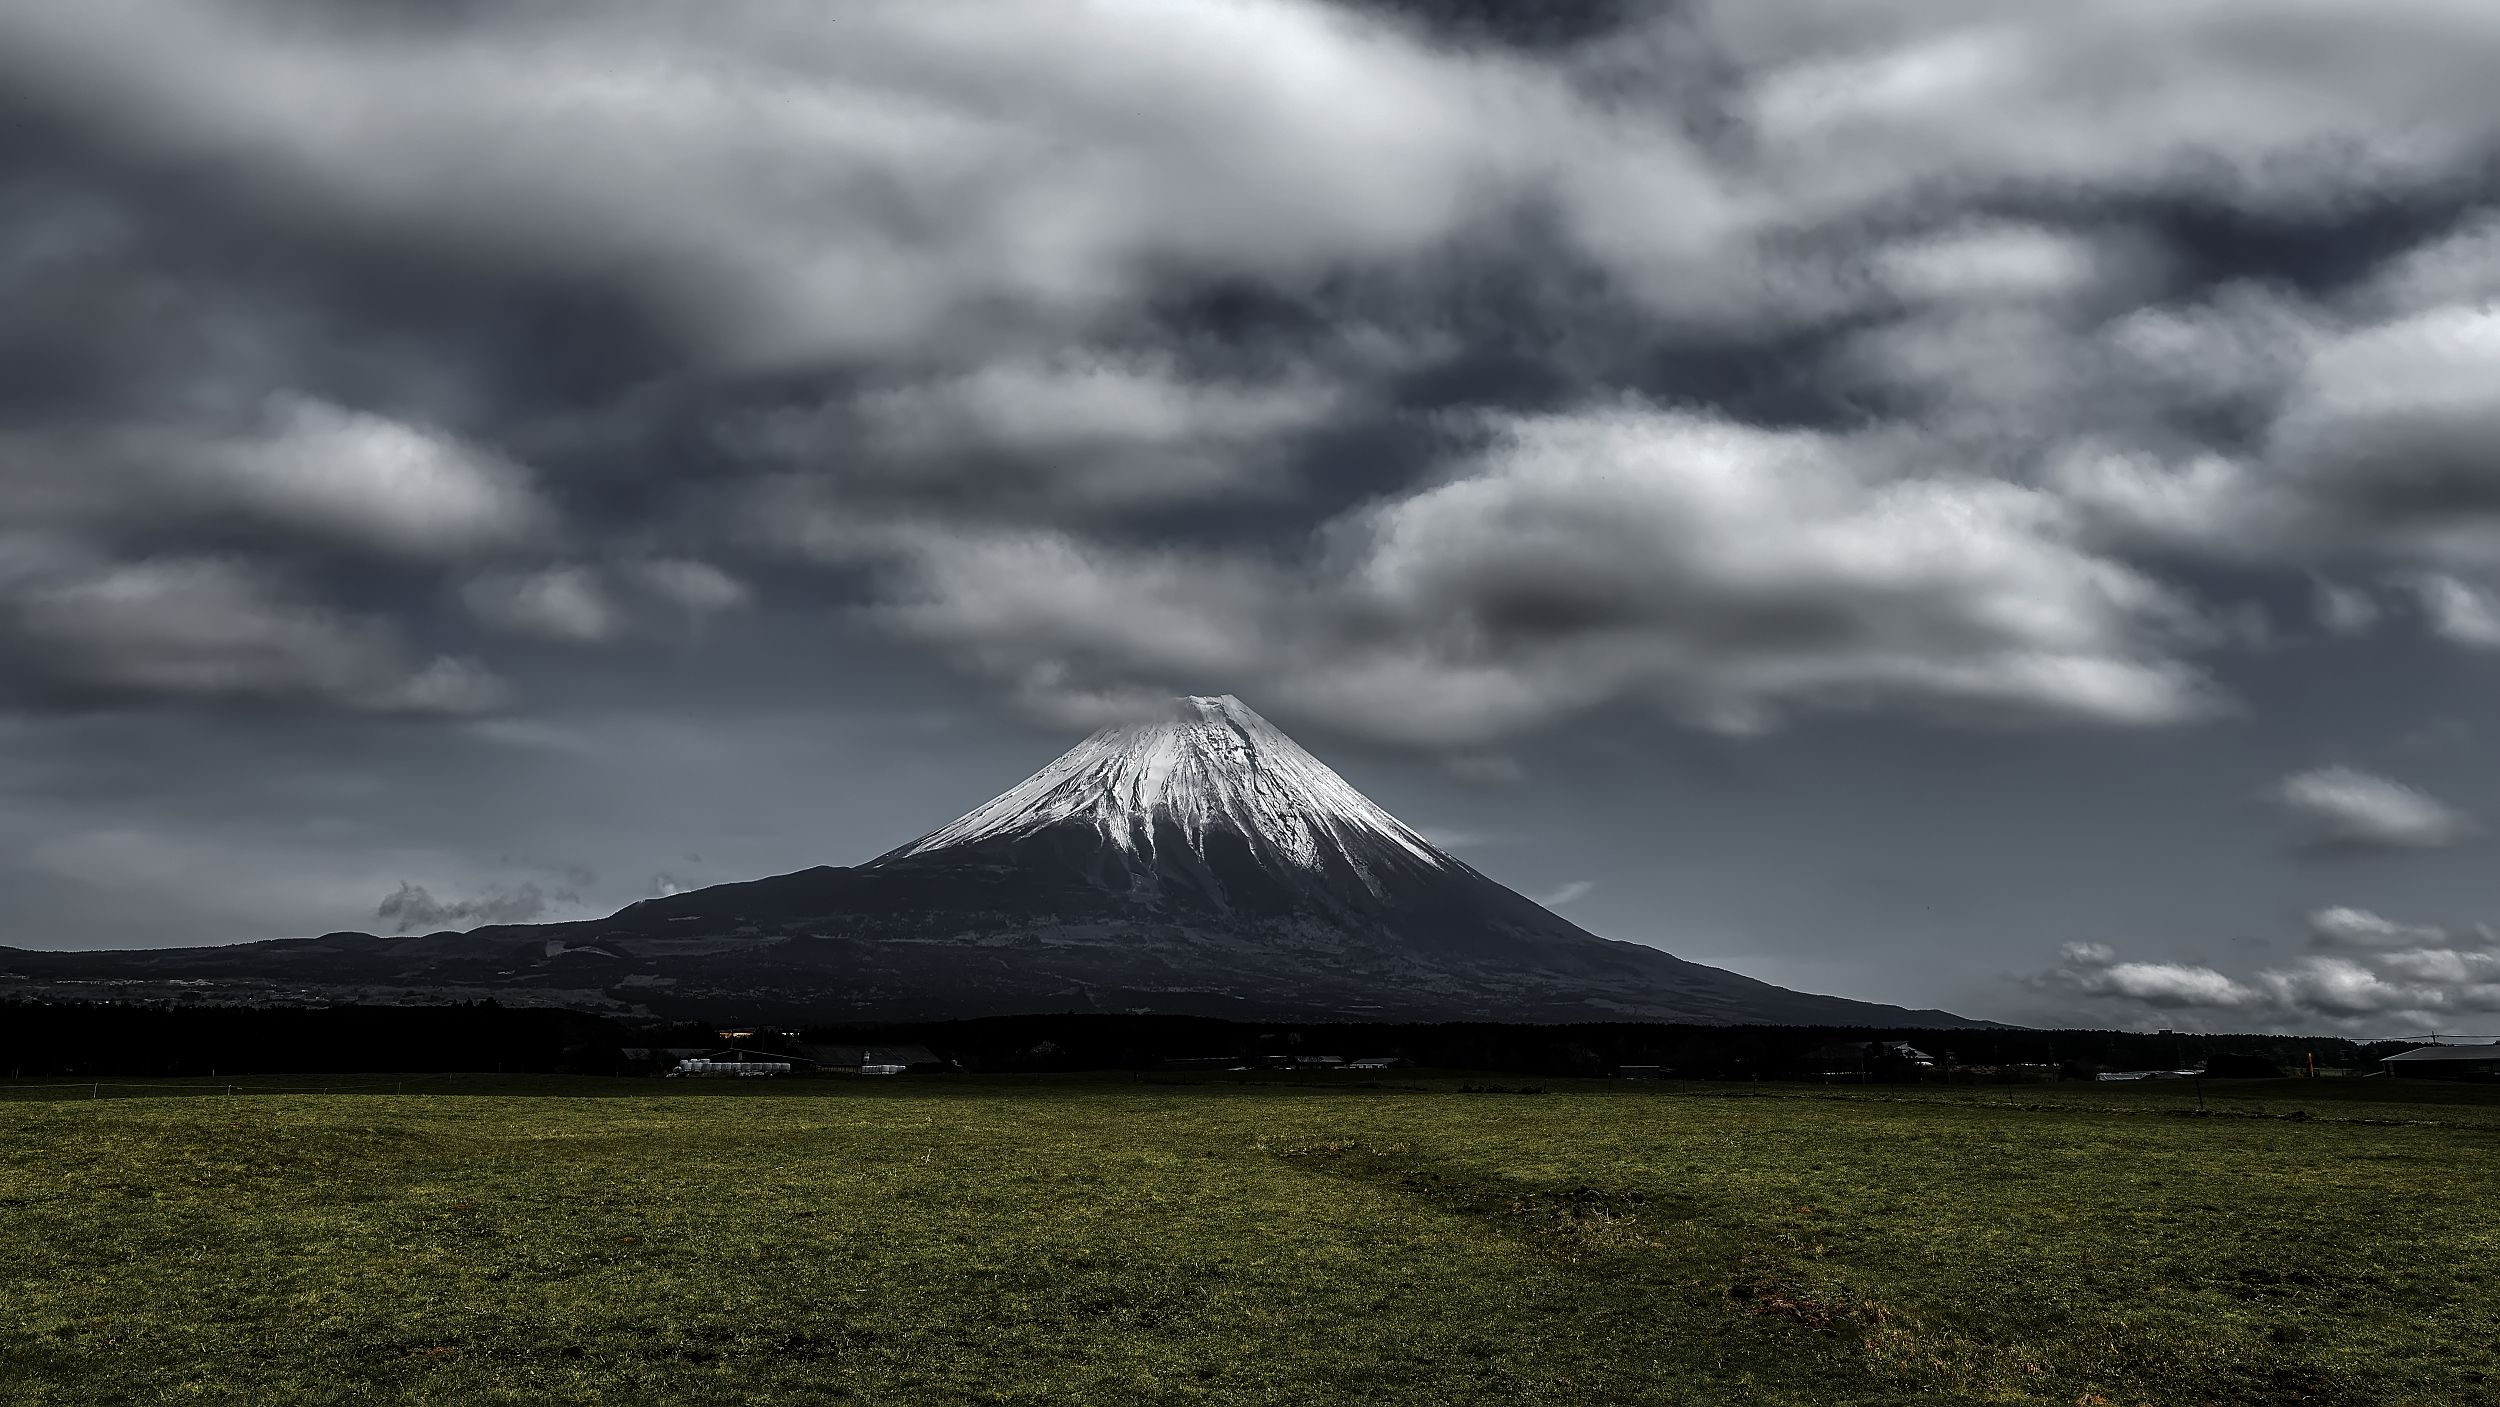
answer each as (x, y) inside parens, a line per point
(1072, 1240)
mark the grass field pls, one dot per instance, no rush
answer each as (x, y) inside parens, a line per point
(1109, 1240)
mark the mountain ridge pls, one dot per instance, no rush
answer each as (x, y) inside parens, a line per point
(1201, 863)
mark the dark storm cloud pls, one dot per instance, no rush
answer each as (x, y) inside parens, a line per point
(1537, 24)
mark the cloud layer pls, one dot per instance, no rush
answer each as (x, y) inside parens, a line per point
(1736, 361)
(2368, 973)
(1723, 573)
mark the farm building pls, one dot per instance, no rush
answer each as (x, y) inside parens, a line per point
(1858, 1060)
(875, 1059)
(658, 1059)
(1281, 1062)
(737, 1061)
(2446, 1062)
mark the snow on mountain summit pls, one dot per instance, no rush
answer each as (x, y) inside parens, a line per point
(1212, 764)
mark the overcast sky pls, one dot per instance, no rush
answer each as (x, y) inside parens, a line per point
(1925, 500)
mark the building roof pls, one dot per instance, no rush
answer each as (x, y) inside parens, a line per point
(2450, 1052)
(853, 1056)
(749, 1055)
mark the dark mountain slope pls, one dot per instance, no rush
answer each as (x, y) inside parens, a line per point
(1203, 863)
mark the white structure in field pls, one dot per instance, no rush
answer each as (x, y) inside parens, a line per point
(700, 1066)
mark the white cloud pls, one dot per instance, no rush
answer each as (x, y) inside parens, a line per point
(2282, 108)
(2357, 808)
(2387, 971)
(1988, 261)
(2093, 971)
(2460, 610)
(2208, 503)
(2376, 439)
(2397, 420)
(1082, 401)
(373, 480)
(2341, 926)
(2342, 987)
(2376, 431)
(1567, 893)
(1730, 573)
(2457, 270)
(304, 472)
(2448, 967)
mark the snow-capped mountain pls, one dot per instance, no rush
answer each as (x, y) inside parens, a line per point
(1199, 863)
(1210, 811)
(1212, 767)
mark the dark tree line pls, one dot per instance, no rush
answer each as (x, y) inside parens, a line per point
(41, 1039)
(1099, 1042)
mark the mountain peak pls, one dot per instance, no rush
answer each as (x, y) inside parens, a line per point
(1209, 765)
(1199, 862)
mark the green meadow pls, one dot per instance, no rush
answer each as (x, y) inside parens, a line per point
(1416, 1238)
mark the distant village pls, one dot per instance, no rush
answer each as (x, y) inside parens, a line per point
(1844, 1062)
(134, 1039)
(787, 1055)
